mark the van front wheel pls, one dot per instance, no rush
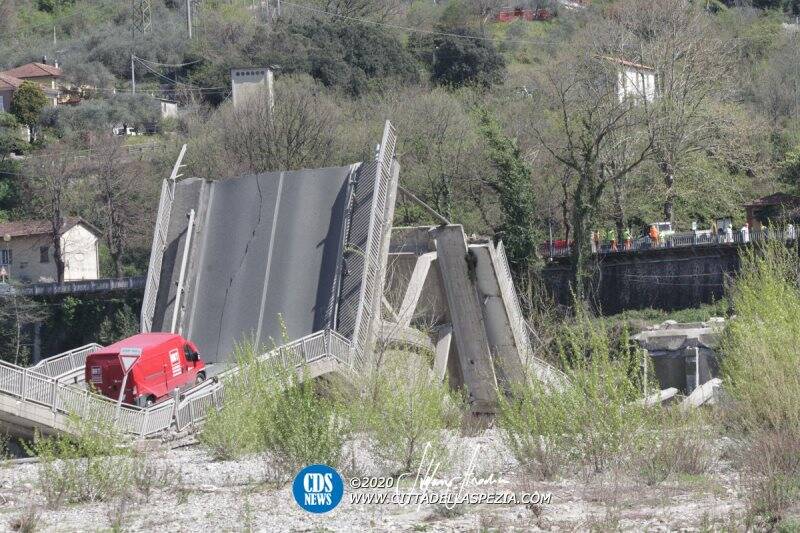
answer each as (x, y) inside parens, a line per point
(145, 401)
(201, 377)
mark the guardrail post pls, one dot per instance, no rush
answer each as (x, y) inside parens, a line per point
(85, 403)
(326, 342)
(23, 385)
(53, 395)
(144, 423)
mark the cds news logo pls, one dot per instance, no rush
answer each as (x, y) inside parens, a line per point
(318, 488)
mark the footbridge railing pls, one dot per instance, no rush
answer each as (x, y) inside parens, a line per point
(65, 363)
(196, 405)
(49, 401)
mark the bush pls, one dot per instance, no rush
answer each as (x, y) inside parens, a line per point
(92, 464)
(404, 410)
(279, 414)
(771, 462)
(761, 347)
(588, 422)
(679, 443)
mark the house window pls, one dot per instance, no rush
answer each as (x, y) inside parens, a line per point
(44, 254)
(2, 104)
(5, 257)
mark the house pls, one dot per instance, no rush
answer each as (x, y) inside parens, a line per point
(8, 86)
(776, 208)
(634, 81)
(26, 250)
(46, 76)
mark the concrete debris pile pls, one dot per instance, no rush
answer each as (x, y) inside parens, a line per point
(683, 357)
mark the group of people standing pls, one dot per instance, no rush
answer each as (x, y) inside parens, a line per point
(606, 240)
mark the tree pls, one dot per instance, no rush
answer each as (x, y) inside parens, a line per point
(513, 185)
(250, 138)
(463, 58)
(694, 69)
(27, 105)
(17, 314)
(51, 179)
(118, 198)
(586, 127)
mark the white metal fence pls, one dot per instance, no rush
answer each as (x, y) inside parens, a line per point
(372, 253)
(32, 387)
(157, 254)
(65, 363)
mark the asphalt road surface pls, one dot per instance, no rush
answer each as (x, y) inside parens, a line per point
(267, 249)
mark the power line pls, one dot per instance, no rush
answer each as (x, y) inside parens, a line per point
(416, 30)
(175, 82)
(168, 64)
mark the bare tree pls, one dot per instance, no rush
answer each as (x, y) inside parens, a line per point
(587, 128)
(299, 133)
(118, 192)
(50, 180)
(17, 314)
(694, 67)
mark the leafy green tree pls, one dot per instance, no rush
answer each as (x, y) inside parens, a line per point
(789, 171)
(464, 59)
(514, 189)
(52, 5)
(27, 105)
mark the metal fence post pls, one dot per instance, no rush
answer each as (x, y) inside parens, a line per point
(23, 385)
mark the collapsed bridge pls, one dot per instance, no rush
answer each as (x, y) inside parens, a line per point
(296, 262)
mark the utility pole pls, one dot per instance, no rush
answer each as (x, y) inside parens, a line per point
(189, 17)
(270, 94)
(133, 75)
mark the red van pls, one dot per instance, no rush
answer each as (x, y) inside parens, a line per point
(166, 362)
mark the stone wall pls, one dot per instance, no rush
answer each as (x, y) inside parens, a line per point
(668, 279)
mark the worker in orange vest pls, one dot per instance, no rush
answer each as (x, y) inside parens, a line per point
(654, 237)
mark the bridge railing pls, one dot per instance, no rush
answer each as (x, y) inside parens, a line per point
(677, 240)
(65, 363)
(34, 388)
(372, 253)
(327, 343)
(157, 255)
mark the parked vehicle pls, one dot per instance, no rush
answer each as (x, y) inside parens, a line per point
(165, 362)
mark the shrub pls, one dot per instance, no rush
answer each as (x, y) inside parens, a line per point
(761, 347)
(771, 462)
(92, 464)
(280, 414)
(403, 410)
(679, 443)
(592, 419)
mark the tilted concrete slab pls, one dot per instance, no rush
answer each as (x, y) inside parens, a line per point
(469, 329)
(705, 393)
(266, 251)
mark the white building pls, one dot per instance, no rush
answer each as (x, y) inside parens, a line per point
(634, 81)
(250, 81)
(26, 250)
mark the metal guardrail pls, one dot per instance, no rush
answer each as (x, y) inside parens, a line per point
(326, 343)
(372, 254)
(33, 388)
(82, 286)
(679, 240)
(157, 255)
(65, 363)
